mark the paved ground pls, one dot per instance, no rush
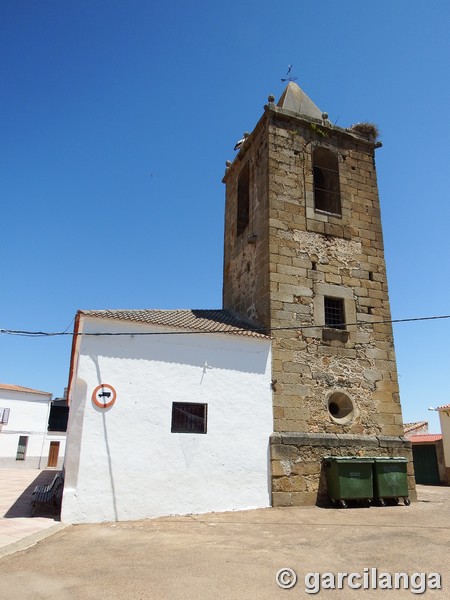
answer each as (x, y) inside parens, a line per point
(17, 528)
(236, 555)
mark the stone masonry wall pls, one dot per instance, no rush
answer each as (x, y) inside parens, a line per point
(278, 273)
(246, 257)
(313, 255)
(297, 463)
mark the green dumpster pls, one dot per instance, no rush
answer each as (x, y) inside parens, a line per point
(390, 480)
(349, 478)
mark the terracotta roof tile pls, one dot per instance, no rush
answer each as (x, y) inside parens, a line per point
(426, 437)
(445, 407)
(220, 321)
(412, 426)
(19, 388)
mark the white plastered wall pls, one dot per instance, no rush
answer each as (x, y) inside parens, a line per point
(444, 417)
(28, 417)
(124, 463)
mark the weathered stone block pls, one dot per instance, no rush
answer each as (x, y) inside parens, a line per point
(278, 412)
(278, 470)
(310, 439)
(293, 483)
(276, 438)
(281, 499)
(341, 335)
(357, 441)
(291, 425)
(292, 389)
(372, 374)
(386, 441)
(304, 468)
(390, 408)
(282, 451)
(303, 498)
(335, 230)
(316, 226)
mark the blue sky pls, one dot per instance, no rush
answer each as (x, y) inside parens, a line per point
(116, 121)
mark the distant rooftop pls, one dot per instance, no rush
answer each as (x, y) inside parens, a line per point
(202, 321)
(426, 437)
(408, 427)
(445, 407)
(20, 388)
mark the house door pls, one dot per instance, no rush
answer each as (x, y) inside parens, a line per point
(53, 454)
(426, 468)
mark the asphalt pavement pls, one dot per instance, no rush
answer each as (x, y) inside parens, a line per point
(332, 553)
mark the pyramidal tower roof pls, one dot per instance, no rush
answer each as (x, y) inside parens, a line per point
(295, 100)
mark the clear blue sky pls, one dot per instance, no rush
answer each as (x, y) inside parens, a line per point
(117, 118)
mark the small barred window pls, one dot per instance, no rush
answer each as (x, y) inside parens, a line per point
(334, 313)
(189, 417)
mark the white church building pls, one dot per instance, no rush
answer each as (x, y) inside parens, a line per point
(172, 414)
(191, 411)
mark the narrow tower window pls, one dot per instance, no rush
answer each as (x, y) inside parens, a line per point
(327, 195)
(243, 200)
(334, 313)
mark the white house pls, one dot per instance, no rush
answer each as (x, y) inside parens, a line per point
(170, 413)
(24, 437)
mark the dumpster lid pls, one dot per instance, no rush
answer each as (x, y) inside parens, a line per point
(390, 459)
(349, 459)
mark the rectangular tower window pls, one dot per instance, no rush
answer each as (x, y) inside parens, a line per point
(188, 417)
(22, 447)
(243, 200)
(334, 313)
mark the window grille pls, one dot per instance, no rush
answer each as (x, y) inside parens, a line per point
(22, 447)
(188, 417)
(334, 313)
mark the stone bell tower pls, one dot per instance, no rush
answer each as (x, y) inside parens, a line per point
(304, 257)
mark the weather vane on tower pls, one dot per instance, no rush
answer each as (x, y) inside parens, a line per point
(289, 77)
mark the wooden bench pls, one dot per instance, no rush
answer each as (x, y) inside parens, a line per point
(47, 494)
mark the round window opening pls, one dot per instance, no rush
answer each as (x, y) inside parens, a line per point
(340, 407)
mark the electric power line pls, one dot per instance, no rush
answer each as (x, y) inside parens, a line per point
(299, 327)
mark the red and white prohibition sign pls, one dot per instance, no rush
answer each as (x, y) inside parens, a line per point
(104, 395)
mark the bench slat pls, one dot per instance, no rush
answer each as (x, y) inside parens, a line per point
(48, 486)
(44, 494)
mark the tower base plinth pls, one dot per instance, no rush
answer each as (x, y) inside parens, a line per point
(297, 466)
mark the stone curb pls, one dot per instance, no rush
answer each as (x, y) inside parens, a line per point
(31, 540)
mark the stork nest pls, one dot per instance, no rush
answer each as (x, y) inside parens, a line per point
(368, 130)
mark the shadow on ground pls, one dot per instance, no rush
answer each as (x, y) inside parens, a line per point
(22, 507)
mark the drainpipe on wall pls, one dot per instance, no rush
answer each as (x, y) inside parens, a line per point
(45, 432)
